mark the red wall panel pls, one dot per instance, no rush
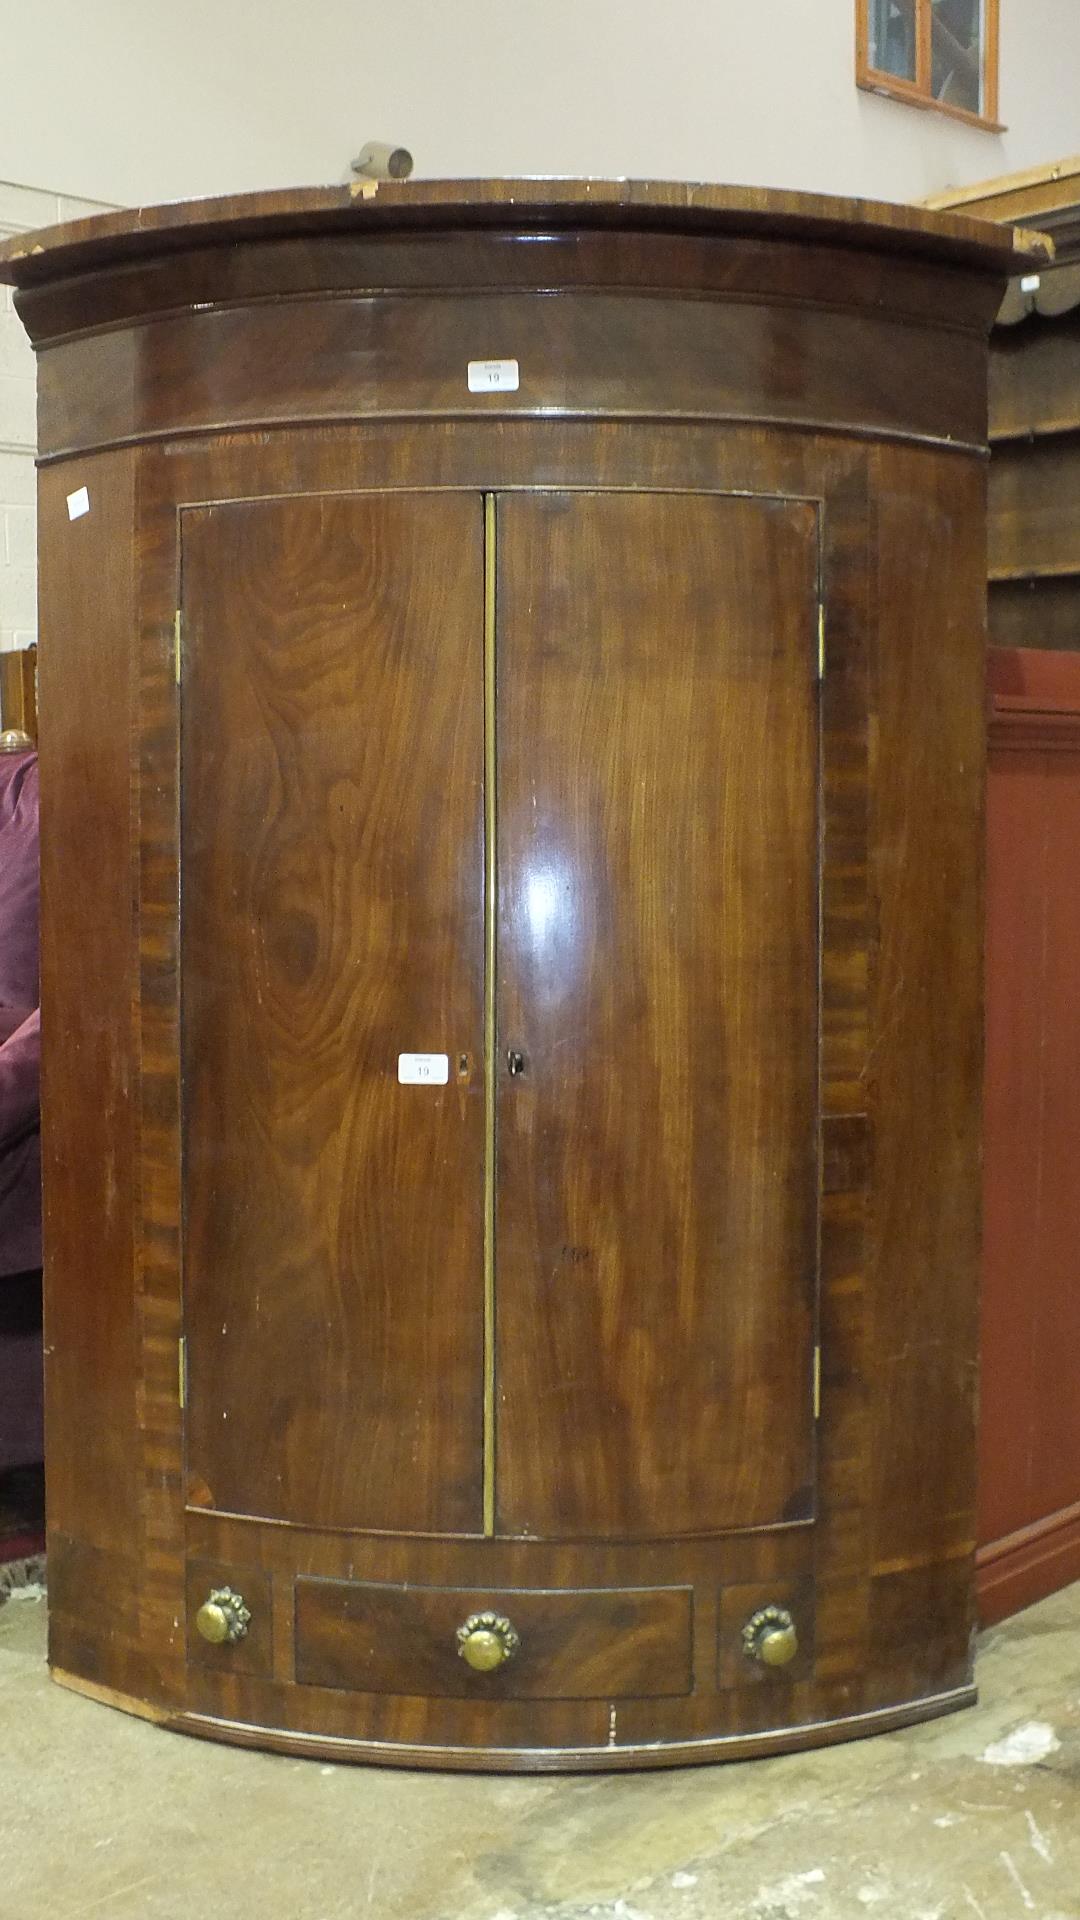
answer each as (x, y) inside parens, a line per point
(1029, 1506)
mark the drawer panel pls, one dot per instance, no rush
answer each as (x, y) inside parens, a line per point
(600, 1643)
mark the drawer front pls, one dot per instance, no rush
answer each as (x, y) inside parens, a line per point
(600, 1643)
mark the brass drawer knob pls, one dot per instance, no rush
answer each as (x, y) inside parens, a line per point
(770, 1636)
(223, 1618)
(487, 1641)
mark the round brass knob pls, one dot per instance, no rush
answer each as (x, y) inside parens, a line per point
(487, 1641)
(770, 1636)
(223, 1618)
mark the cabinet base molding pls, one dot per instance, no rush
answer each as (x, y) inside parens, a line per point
(605, 1759)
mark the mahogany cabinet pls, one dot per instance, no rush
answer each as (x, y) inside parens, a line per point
(512, 734)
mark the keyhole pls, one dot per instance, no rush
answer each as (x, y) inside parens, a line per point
(515, 1062)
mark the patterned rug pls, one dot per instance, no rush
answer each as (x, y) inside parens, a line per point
(23, 1578)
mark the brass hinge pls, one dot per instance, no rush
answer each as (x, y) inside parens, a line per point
(181, 1373)
(817, 1383)
(176, 645)
(821, 640)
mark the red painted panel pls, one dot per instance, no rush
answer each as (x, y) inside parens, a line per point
(1012, 1165)
(1056, 1343)
(1030, 1428)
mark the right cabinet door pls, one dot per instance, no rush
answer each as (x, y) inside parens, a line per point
(658, 975)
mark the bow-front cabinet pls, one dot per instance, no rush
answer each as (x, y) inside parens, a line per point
(512, 750)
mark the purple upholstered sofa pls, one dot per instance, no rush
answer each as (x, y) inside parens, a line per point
(20, 1158)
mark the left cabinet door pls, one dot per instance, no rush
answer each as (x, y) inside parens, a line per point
(332, 921)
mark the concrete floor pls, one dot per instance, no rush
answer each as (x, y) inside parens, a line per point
(974, 1816)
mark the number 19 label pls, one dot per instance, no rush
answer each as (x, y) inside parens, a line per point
(423, 1069)
(493, 376)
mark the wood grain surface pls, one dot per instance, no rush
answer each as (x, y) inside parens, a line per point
(1034, 509)
(1035, 379)
(658, 872)
(425, 205)
(18, 690)
(89, 1067)
(842, 362)
(332, 767)
(924, 1075)
(855, 1683)
(731, 266)
(604, 1644)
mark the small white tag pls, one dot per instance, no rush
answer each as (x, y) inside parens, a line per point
(1031, 283)
(493, 376)
(78, 503)
(423, 1069)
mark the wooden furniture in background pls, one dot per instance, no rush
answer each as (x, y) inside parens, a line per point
(18, 690)
(1029, 1503)
(1034, 519)
(513, 1235)
(1046, 197)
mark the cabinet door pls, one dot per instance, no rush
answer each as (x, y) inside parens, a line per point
(658, 974)
(332, 920)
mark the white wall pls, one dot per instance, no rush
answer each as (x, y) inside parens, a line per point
(20, 209)
(130, 100)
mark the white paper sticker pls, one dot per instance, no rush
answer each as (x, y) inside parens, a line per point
(78, 503)
(1030, 283)
(493, 376)
(423, 1069)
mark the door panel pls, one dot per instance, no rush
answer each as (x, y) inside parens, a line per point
(658, 972)
(332, 918)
